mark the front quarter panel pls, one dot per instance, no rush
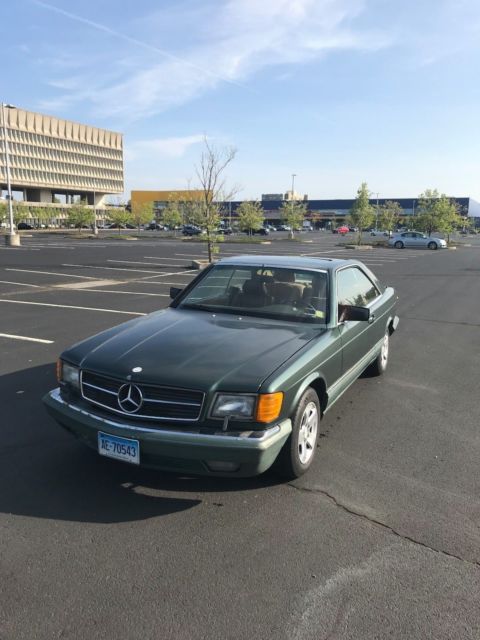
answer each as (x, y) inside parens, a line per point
(321, 361)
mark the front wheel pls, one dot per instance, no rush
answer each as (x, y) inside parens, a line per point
(398, 244)
(432, 245)
(299, 450)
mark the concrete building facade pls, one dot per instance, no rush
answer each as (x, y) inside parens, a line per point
(51, 157)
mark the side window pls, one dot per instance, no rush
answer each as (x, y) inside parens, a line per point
(355, 288)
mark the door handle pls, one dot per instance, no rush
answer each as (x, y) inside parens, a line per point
(371, 318)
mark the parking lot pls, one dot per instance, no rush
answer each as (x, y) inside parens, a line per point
(380, 539)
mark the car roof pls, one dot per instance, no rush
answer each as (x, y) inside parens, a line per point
(327, 264)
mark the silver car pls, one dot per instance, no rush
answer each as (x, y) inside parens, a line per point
(416, 239)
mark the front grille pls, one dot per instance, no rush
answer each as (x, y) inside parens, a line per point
(159, 403)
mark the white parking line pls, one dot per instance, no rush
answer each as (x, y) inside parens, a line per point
(164, 258)
(164, 275)
(174, 284)
(153, 264)
(51, 273)
(21, 284)
(67, 306)
(131, 293)
(84, 266)
(13, 337)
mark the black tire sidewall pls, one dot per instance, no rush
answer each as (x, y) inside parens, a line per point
(291, 465)
(398, 245)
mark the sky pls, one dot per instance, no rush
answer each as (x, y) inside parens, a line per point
(335, 91)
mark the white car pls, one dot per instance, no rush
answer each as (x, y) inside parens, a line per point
(416, 239)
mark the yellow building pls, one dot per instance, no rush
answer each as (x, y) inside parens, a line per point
(160, 199)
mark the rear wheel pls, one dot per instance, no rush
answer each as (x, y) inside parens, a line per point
(299, 450)
(432, 245)
(399, 244)
(379, 365)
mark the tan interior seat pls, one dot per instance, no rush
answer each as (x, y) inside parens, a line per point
(284, 289)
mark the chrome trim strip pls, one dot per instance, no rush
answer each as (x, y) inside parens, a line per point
(184, 404)
(93, 386)
(239, 438)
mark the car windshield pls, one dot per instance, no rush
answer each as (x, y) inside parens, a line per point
(271, 292)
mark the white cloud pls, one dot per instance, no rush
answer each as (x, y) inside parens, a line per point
(174, 147)
(245, 36)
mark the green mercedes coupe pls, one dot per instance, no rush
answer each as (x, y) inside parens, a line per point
(235, 375)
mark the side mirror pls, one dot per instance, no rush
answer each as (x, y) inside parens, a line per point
(174, 292)
(355, 314)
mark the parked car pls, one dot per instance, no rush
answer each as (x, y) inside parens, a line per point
(191, 230)
(262, 231)
(353, 229)
(416, 239)
(115, 225)
(227, 231)
(23, 226)
(341, 230)
(154, 226)
(237, 372)
(284, 227)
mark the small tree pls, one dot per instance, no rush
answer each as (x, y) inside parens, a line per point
(427, 214)
(292, 214)
(80, 216)
(362, 214)
(171, 216)
(250, 216)
(119, 217)
(210, 173)
(390, 216)
(448, 216)
(141, 213)
(437, 212)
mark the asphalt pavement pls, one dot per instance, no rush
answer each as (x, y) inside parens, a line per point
(380, 539)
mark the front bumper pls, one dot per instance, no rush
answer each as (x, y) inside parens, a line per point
(172, 449)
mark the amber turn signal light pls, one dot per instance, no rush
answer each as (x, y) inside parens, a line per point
(269, 406)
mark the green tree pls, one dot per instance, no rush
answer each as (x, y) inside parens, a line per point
(250, 216)
(211, 175)
(390, 215)
(171, 216)
(142, 213)
(362, 213)
(80, 216)
(437, 212)
(292, 213)
(119, 217)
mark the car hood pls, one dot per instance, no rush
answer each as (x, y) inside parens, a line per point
(194, 349)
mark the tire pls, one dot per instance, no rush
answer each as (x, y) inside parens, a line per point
(379, 365)
(298, 452)
(432, 245)
(398, 244)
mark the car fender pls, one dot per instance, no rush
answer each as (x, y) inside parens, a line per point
(318, 380)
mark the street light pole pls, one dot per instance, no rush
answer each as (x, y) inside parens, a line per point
(13, 239)
(95, 228)
(294, 175)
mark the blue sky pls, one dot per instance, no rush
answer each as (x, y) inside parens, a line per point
(335, 91)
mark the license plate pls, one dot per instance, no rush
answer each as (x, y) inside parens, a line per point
(119, 448)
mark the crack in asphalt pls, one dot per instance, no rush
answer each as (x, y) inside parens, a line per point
(380, 524)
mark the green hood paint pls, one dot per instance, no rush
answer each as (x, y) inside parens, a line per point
(194, 349)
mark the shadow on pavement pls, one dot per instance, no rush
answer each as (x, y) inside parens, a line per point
(46, 473)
